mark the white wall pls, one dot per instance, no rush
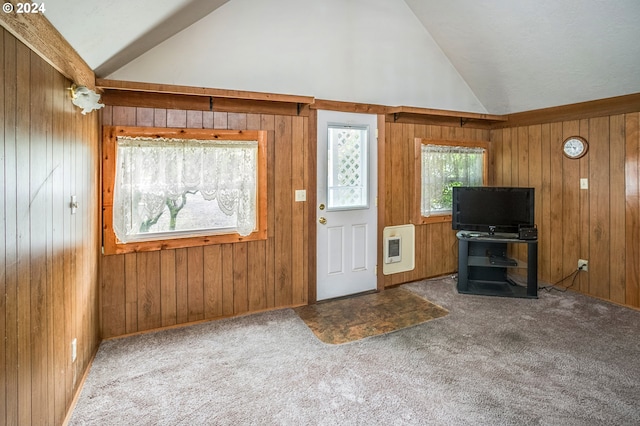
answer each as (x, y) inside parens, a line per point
(369, 51)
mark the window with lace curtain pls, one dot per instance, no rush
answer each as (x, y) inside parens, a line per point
(167, 188)
(442, 165)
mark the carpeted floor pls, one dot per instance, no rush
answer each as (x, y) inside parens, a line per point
(358, 317)
(563, 359)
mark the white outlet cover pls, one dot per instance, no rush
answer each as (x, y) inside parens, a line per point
(301, 195)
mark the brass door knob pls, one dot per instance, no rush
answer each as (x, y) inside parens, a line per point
(322, 220)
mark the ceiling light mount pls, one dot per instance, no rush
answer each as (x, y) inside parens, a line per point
(85, 98)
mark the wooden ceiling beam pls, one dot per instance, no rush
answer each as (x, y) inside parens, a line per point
(598, 108)
(200, 91)
(37, 33)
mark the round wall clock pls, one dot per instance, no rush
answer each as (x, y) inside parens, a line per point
(575, 147)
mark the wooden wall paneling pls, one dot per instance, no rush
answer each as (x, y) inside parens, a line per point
(113, 300)
(582, 281)
(182, 279)
(228, 293)
(207, 120)
(312, 201)
(240, 279)
(570, 206)
(556, 209)
(256, 275)
(195, 284)
(430, 233)
(599, 208)
(544, 205)
(168, 290)
(145, 117)
(236, 121)
(534, 176)
(409, 172)
(9, 353)
(515, 157)
(176, 118)
(256, 251)
(421, 257)
(299, 291)
(3, 240)
(23, 191)
(68, 252)
(395, 178)
(4, 273)
(159, 117)
(507, 163)
(267, 122)
(381, 198)
(535, 171)
(38, 309)
(283, 201)
(40, 209)
(106, 115)
(149, 290)
(440, 250)
(58, 343)
(408, 178)
(131, 292)
(195, 121)
(617, 251)
(388, 189)
(632, 209)
(496, 158)
(124, 116)
(522, 177)
(79, 252)
(220, 120)
(212, 292)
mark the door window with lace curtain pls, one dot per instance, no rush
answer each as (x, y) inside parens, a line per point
(167, 188)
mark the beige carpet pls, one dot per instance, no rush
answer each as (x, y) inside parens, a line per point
(354, 318)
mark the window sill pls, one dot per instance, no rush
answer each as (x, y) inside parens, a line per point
(439, 218)
(112, 246)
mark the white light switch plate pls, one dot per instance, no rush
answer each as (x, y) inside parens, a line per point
(584, 183)
(301, 195)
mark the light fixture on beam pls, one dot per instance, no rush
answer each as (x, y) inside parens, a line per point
(85, 98)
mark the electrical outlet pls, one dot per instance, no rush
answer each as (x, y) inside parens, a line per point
(74, 349)
(583, 264)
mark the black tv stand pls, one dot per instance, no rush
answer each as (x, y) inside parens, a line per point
(483, 265)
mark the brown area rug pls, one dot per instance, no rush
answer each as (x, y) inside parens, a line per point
(346, 320)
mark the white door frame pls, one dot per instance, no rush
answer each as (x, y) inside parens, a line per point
(358, 275)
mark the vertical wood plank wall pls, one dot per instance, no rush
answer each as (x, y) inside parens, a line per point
(49, 258)
(145, 291)
(601, 223)
(436, 244)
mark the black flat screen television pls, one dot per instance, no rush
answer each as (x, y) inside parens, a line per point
(492, 209)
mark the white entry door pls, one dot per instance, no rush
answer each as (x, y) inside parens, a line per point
(346, 210)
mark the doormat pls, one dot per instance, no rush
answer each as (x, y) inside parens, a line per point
(346, 320)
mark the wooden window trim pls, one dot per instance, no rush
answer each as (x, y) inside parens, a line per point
(110, 134)
(440, 218)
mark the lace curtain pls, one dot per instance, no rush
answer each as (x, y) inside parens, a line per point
(444, 167)
(151, 171)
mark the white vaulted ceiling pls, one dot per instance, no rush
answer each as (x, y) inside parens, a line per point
(496, 56)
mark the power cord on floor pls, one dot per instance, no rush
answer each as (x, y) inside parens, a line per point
(574, 274)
